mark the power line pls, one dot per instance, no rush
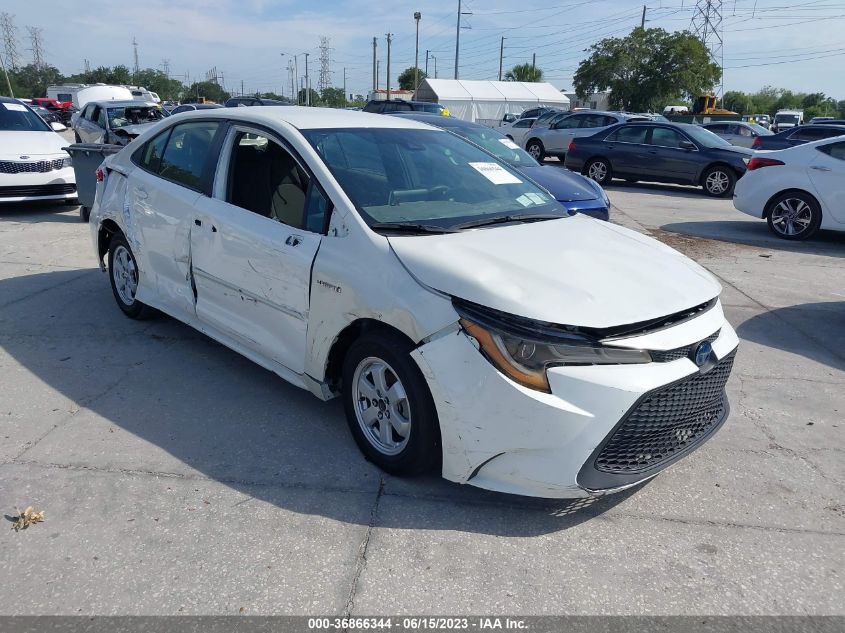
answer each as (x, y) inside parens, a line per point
(10, 40)
(325, 79)
(36, 38)
(706, 24)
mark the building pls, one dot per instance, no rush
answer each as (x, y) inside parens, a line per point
(595, 101)
(381, 94)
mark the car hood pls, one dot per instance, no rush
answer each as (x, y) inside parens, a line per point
(564, 185)
(572, 271)
(13, 145)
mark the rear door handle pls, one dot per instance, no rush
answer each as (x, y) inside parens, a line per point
(819, 168)
(293, 240)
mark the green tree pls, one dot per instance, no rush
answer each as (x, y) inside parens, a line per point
(211, 90)
(738, 102)
(524, 72)
(406, 78)
(333, 97)
(647, 69)
(30, 81)
(315, 96)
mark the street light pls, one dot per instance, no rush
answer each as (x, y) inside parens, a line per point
(417, 16)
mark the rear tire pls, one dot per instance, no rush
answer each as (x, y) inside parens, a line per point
(536, 149)
(599, 170)
(123, 274)
(388, 405)
(718, 181)
(794, 216)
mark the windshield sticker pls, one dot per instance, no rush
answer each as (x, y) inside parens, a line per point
(17, 107)
(496, 174)
(508, 143)
(524, 200)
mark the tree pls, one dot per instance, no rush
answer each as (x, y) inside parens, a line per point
(211, 90)
(315, 96)
(647, 69)
(31, 81)
(406, 79)
(524, 72)
(333, 97)
(738, 102)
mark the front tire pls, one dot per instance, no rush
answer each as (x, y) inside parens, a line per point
(718, 181)
(536, 149)
(599, 170)
(123, 274)
(388, 405)
(794, 216)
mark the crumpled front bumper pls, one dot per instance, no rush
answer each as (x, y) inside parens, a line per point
(502, 436)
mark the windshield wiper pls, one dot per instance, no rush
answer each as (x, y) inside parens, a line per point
(503, 219)
(410, 227)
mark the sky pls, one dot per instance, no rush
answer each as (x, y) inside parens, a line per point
(797, 45)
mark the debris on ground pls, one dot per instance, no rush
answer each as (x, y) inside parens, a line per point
(25, 518)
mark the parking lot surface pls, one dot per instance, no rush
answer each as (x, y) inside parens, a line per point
(177, 477)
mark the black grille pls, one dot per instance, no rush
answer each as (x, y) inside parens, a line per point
(662, 427)
(681, 352)
(38, 166)
(37, 190)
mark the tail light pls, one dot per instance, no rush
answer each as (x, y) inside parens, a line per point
(757, 163)
(100, 175)
(757, 142)
(572, 146)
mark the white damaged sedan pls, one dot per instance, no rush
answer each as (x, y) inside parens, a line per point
(469, 323)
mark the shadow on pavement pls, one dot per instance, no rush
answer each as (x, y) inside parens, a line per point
(658, 189)
(34, 212)
(756, 233)
(178, 394)
(823, 322)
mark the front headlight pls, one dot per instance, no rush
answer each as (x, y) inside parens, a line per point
(524, 358)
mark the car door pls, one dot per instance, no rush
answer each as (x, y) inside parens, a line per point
(628, 152)
(253, 244)
(669, 161)
(556, 138)
(85, 127)
(98, 125)
(174, 171)
(827, 173)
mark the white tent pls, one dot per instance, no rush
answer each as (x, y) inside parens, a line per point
(487, 101)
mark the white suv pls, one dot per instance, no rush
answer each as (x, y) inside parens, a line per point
(554, 140)
(468, 322)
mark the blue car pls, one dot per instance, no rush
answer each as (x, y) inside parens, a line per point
(574, 191)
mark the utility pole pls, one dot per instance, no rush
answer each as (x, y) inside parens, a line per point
(435, 66)
(389, 41)
(458, 36)
(8, 81)
(707, 25)
(307, 83)
(417, 16)
(375, 66)
(325, 80)
(378, 72)
(533, 63)
(296, 77)
(165, 67)
(426, 62)
(642, 22)
(242, 87)
(37, 43)
(136, 68)
(344, 86)
(501, 57)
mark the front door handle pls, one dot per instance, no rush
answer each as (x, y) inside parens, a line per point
(197, 221)
(819, 168)
(293, 240)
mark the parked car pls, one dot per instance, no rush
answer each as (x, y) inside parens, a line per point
(798, 136)
(534, 113)
(798, 190)
(33, 165)
(190, 107)
(236, 102)
(575, 192)
(387, 106)
(517, 130)
(678, 153)
(554, 140)
(828, 121)
(114, 122)
(508, 118)
(736, 132)
(467, 321)
(787, 119)
(48, 116)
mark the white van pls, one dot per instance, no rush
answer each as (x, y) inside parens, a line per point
(786, 119)
(675, 109)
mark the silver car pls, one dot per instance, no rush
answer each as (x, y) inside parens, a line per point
(517, 130)
(114, 122)
(554, 140)
(736, 132)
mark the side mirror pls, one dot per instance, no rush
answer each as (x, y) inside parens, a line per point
(687, 145)
(57, 127)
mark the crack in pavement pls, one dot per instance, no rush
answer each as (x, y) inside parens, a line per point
(361, 559)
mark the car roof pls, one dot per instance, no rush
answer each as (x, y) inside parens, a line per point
(123, 104)
(304, 118)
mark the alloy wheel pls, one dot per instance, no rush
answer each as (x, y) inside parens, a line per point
(792, 216)
(125, 275)
(597, 171)
(381, 406)
(717, 182)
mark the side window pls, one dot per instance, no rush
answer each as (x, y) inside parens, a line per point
(149, 156)
(809, 134)
(93, 113)
(743, 131)
(568, 123)
(664, 137)
(834, 150)
(403, 107)
(523, 123)
(718, 128)
(266, 179)
(592, 120)
(609, 120)
(632, 134)
(101, 117)
(187, 151)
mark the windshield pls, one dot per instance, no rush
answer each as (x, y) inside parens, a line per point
(16, 117)
(133, 115)
(425, 176)
(786, 118)
(497, 144)
(705, 137)
(760, 130)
